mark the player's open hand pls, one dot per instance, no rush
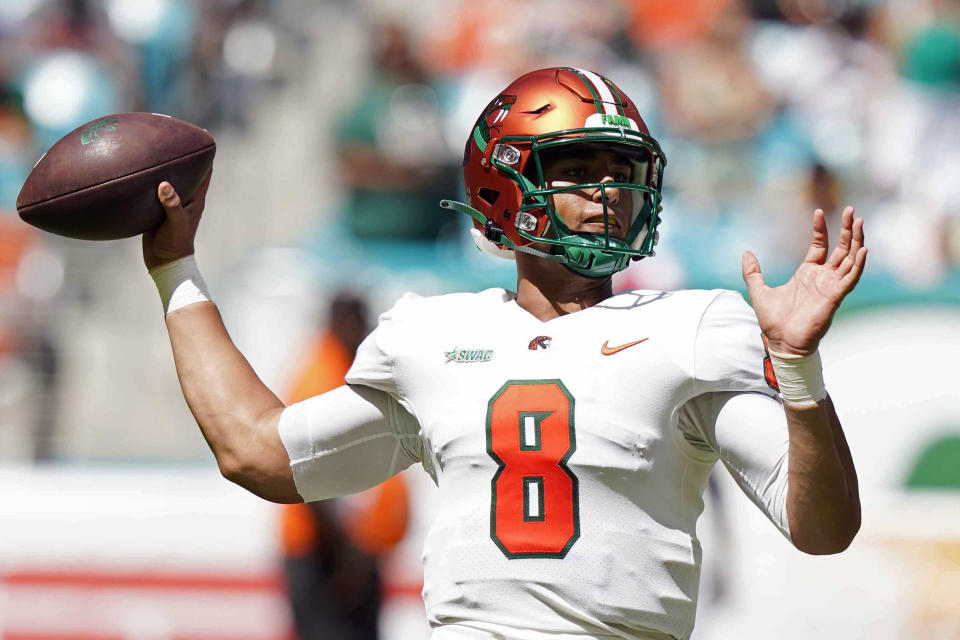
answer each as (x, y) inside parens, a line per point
(173, 239)
(796, 315)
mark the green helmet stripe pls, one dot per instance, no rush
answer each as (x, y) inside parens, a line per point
(478, 138)
(596, 97)
(614, 92)
(603, 91)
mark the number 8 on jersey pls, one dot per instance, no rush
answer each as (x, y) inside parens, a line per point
(534, 508)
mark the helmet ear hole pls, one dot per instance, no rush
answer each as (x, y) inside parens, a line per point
(488, 195)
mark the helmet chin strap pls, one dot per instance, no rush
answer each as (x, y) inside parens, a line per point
(583, 260)
(494, 233)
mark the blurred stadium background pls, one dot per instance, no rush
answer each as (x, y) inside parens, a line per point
(339, 125)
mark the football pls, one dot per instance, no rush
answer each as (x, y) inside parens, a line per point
(99, 182)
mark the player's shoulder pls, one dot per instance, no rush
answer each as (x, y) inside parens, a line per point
(682, 300)
(414, 307)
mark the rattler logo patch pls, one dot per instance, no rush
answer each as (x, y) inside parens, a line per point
(540, 342)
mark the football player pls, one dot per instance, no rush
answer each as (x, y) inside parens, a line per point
(570, 431)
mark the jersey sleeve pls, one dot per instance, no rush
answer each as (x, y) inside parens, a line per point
(728, 353)
(748, 431)
(375, 363)
(347, 440)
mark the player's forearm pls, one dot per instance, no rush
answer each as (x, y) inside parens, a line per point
(238, 415)
(823, 502)
(232, 406)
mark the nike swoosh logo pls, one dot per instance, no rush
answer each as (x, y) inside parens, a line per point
(607, 350)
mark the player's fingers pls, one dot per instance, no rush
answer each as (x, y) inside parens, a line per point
(846, 237)
(846, 265)
(168, 198)
(858, 238)
(850, 280)
(837, 256)
(752, 276)
(199, 198)
(817, 253)
(181, 220)
(856, 244)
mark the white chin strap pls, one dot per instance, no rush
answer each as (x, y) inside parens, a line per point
(490, 248)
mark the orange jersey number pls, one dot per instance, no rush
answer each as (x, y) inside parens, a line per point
(534, 508)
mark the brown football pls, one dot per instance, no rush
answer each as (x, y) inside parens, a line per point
(99, 182)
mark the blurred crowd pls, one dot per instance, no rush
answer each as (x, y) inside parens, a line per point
(766, 109)
(63, 63)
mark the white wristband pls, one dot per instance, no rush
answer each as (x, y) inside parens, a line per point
(180, 284)
(800, 377)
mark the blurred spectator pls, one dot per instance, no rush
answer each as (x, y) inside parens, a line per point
(332, 548)
(74, 67)
(818, 188)
(332, 352)
(30, 277)
(395, 165)
(824, 189)
(236, 50)
(16, 145)
(163, 36)
(709, 89)
(932, 56)
(655, 24)
(524, 36)
(70, 24)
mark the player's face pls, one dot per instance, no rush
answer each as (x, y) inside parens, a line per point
(582, 209)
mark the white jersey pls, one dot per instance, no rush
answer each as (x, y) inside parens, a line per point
(571, 455)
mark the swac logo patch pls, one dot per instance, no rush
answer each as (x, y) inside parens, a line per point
(540, 342)
(468, 355)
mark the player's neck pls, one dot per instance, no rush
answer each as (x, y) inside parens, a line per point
(548, 290)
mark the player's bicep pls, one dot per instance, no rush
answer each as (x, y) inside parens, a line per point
(345, 441)
(749, 432)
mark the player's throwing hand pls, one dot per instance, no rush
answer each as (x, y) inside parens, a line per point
(173, 239)
(796, 315)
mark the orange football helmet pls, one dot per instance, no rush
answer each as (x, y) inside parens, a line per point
(507, 194)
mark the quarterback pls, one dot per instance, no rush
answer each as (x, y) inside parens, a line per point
(570, 430)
